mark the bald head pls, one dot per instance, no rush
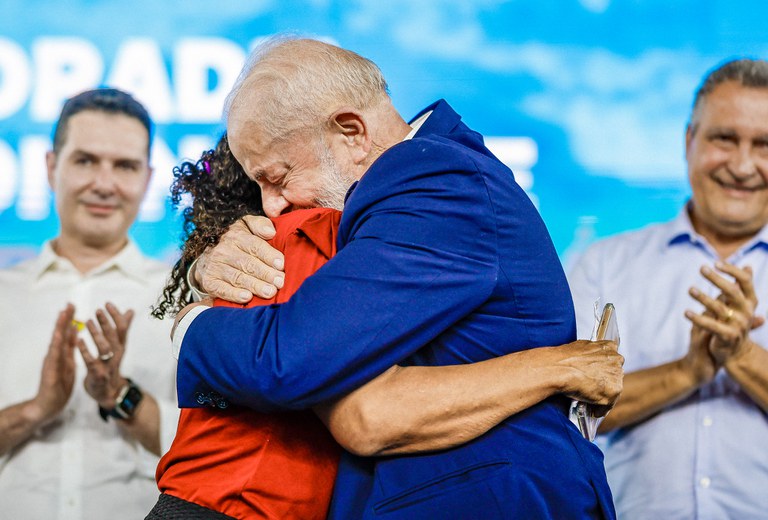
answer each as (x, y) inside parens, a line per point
(306, 119)
(291, 84)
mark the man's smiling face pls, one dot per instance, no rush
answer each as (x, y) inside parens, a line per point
(727, 154)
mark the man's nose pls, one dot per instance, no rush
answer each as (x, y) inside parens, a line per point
(274, 204)
(104, 179)
(742, 164)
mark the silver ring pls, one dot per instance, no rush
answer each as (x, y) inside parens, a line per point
(106, 357)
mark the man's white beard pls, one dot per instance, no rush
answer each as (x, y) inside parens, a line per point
(335, 183)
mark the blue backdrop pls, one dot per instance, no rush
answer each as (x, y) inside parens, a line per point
(586, 100)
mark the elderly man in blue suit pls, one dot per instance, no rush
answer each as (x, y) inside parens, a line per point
(442, 261)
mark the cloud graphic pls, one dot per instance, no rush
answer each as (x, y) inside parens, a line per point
(624, 116)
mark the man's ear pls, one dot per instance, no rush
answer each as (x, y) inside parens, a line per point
(689, 131)
(50, 164)
(351, 129)
(150, 173)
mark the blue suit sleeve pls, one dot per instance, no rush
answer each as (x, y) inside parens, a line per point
(418, 256)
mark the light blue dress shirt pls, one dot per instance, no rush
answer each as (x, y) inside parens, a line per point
(707, 456)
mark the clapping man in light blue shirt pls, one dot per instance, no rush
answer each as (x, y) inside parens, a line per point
(687, 437)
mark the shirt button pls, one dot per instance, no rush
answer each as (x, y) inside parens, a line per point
(704, 482)
(707, 421)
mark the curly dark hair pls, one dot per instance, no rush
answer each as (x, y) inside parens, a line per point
(221, 194)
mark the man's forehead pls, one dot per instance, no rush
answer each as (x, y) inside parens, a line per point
(732, 98)
(105, 134)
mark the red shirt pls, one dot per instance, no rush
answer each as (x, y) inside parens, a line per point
(249, 464)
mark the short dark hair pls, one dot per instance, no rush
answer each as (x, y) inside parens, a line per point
(747, 72)
(109, 100)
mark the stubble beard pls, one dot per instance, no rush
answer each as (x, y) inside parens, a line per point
(335, 182)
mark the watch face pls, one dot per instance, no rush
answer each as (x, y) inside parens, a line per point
(130, 401)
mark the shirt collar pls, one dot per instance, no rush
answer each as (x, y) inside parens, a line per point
(129, 260)
(321, 229)
(416, 125)
(681, 231)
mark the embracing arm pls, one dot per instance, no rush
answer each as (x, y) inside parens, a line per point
(416, 409)
(403, 277)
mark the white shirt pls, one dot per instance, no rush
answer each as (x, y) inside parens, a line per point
(80, 467)
(705, 457)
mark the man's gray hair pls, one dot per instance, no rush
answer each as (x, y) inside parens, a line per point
(302, 81)
(747, 72)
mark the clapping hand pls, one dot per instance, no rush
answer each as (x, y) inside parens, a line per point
(103, 380)
(731, 316)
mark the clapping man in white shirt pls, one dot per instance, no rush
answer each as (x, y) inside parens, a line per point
(87, 389)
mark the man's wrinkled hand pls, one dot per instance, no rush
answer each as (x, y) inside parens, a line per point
(243, 264)
(595, 372)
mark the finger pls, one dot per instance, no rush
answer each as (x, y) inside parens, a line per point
(739, 274)
(107, 329)
(714, 307)
(731, 290)
(61, 328)
(63, 331)
(757, 322)
(251, 273)
(71, 337)
(122, 321)
(232, 268)
(608, 345)
(744, 277)
(226, 291)
(260, 226)
(102, 344)
(255, 261)
(86, 355)
(256, 247)
(235, 285)
(69, 312)
(723, 330)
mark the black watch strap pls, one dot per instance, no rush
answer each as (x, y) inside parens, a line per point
(125, 404)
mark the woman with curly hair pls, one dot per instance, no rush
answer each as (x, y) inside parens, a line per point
(229, 461)
(220, 194)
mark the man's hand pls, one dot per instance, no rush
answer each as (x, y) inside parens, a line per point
(242, 264)
(730, 317)
(103, 381)
(698, 362)
(595, 372)
(58, 373)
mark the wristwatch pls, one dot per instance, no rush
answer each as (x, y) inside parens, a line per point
(125, 404)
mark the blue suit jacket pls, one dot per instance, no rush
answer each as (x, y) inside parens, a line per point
(442, 260)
